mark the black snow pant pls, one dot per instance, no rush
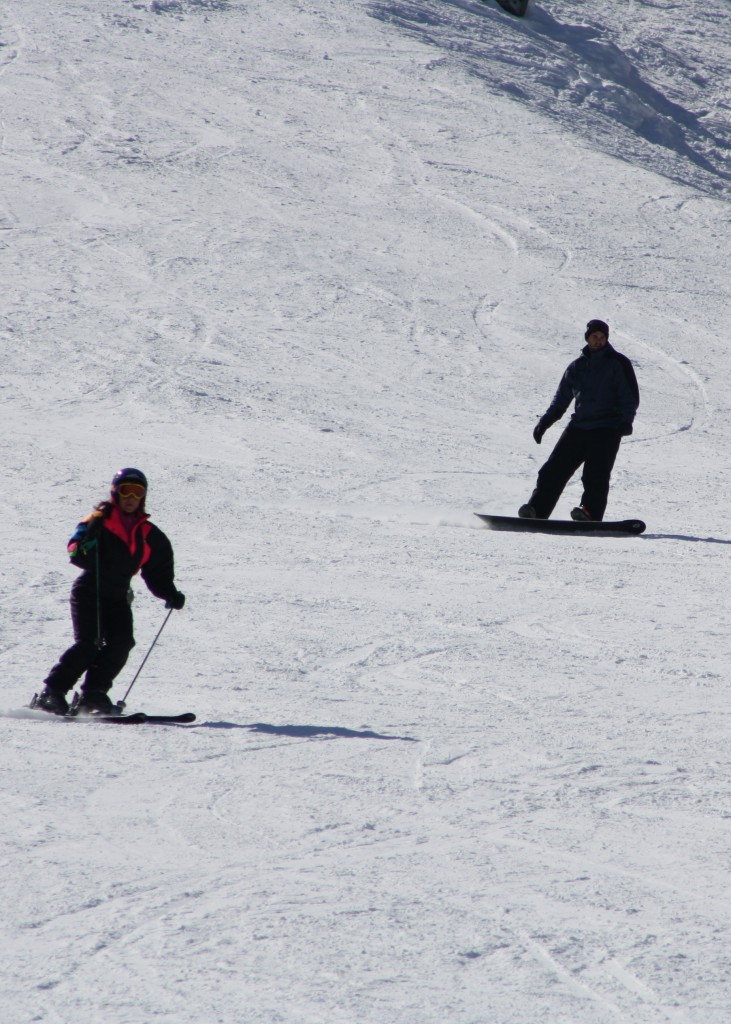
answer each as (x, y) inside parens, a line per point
(597, 450)
(101, 664)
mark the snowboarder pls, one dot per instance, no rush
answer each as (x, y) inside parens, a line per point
(110, 546)
(603, 386)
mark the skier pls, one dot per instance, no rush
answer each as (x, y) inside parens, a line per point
(603, 386)
(110, 546)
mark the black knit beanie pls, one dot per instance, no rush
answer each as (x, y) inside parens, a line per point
(596, 325)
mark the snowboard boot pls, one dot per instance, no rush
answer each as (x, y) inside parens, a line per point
(52, 700)
(581, 514)
(96, 702)
(527, 512)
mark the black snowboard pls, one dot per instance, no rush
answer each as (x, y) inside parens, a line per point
(514, 523)
(517, 7)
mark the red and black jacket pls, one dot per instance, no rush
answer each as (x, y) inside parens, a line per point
(101, 544)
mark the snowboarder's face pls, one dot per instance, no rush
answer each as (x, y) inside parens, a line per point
(596, 340)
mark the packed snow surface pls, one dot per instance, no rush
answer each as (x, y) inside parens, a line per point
(317, 268)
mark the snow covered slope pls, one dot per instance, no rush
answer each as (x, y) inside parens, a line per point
(317, 268)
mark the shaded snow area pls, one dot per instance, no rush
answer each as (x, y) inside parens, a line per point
(317, 268)
(640, 82)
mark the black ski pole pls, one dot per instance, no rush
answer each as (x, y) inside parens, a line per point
(121, 703)
(99, 642)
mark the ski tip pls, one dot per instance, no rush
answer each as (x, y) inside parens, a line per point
(183, 719)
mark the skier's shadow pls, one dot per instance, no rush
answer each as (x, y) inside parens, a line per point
(308, 731)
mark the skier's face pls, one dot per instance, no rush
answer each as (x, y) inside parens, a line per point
(130, 497)
(596, 340)
(129, 505)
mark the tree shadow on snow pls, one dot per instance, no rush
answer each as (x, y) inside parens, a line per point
(307, 731)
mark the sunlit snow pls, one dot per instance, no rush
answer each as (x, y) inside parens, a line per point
(317, 269)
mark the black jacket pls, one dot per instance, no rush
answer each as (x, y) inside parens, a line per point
(101, 542)
(604, 389)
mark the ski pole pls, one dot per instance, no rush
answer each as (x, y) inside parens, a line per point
(121, 703)
(99, 642)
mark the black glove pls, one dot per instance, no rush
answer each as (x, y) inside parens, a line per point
(625, 430)
(176, 601)
(538, 431)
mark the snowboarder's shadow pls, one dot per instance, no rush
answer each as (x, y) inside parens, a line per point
(686, 537)
(308, 731)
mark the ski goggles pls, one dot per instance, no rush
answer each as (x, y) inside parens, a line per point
(131, 491)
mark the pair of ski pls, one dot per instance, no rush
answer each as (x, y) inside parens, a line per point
(120, 716)
(137, 718)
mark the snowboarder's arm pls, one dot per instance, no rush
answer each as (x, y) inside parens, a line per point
(629, 393)
(561, 401)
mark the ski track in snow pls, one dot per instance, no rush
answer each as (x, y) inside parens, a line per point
(317, 268)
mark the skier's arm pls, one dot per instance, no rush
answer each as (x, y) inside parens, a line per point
(84, 539)
(159, 572)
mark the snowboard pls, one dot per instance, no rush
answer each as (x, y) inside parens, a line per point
(518, 525)
(517, 7)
